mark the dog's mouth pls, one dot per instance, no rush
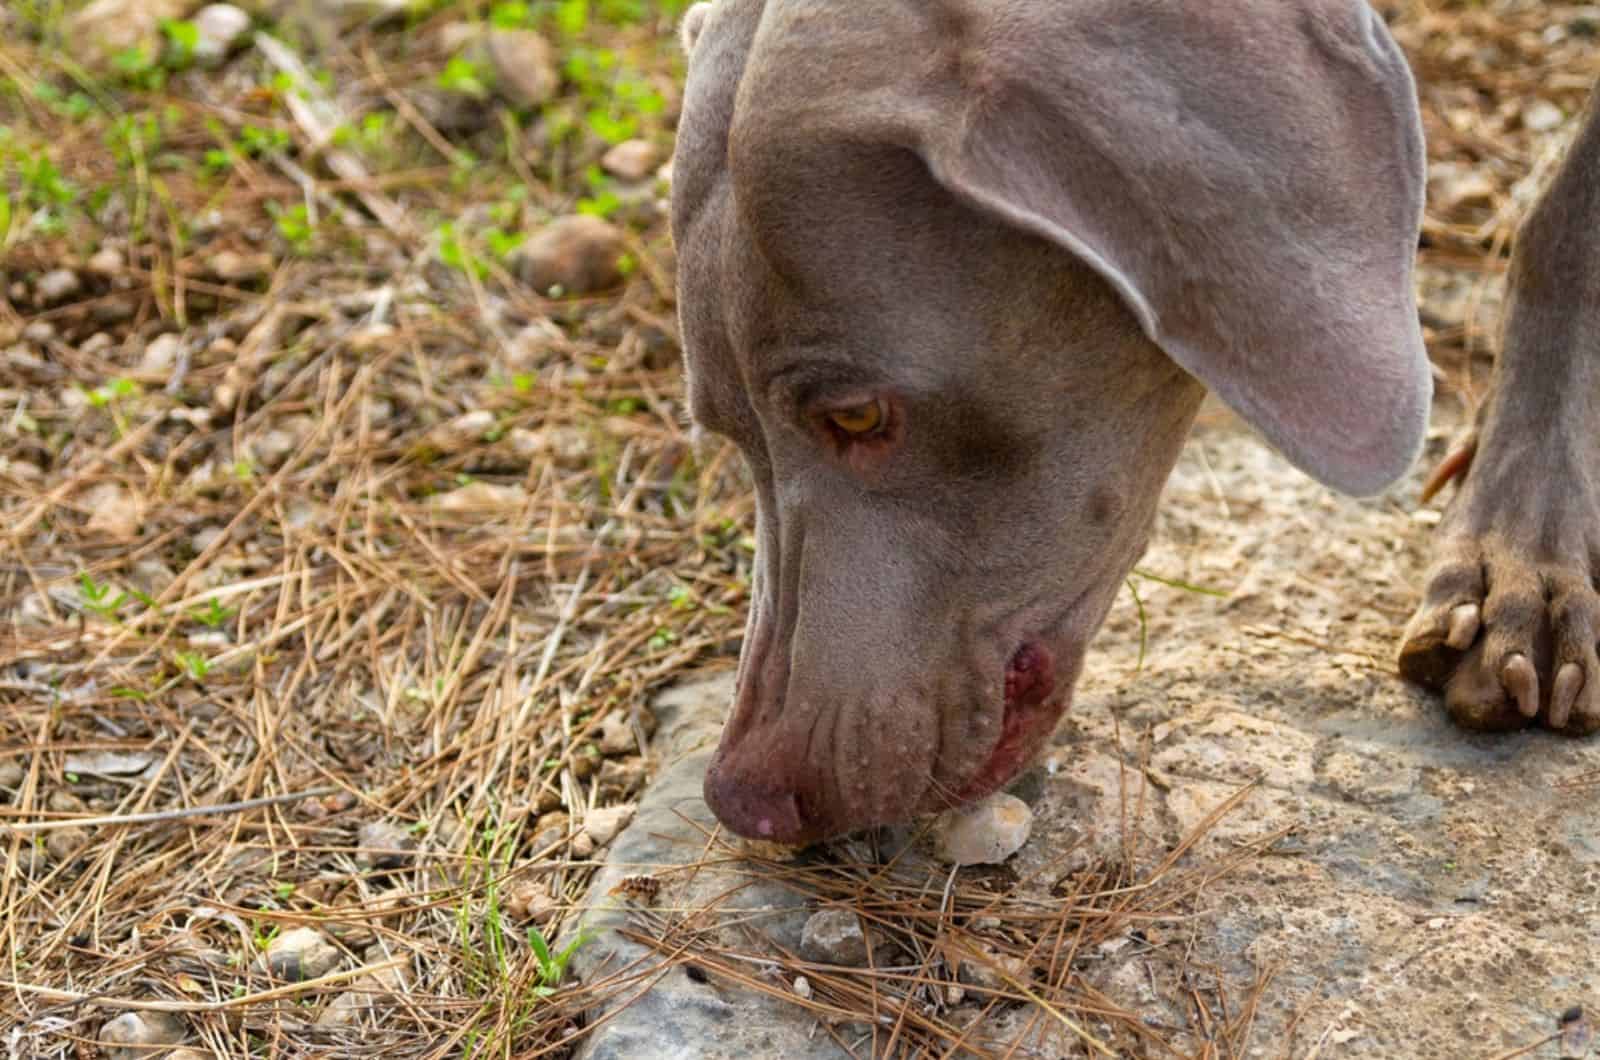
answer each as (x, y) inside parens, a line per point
(1032, 709)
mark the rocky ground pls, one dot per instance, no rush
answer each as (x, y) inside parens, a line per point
(1386, 884)
(349, 528)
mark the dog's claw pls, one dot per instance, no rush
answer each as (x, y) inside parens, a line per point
(1568, 683)
(1520, 679)
(1464, 624)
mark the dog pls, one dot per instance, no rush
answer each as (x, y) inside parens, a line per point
(955, 276)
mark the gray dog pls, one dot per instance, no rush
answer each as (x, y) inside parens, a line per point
(955, 276)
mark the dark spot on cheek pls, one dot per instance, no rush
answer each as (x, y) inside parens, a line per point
(972, 442)
(1104, 506)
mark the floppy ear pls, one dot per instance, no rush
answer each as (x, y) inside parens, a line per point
(1248, 175)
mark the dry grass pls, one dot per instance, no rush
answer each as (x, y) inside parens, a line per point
(977, 963)
(284, 571)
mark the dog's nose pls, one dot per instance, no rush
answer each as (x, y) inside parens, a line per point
(756, 808)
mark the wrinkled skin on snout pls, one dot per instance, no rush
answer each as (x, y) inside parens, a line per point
(926, 588)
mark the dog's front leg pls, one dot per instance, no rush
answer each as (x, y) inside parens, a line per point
(1510, 616)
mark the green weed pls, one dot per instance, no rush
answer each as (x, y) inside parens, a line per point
(102, 599)
(294, 225)
(213, 615)
(194, 665)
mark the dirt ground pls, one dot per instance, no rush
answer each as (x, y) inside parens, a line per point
(1435, 892)
(349, 524)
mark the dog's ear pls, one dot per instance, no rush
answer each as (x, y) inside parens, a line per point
(694, 20)
(1248, 175)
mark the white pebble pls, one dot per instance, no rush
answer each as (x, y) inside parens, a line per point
(986, 833)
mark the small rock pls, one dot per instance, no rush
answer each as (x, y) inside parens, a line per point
(109, 763)
(622, 776)
(568, 446)
(802, 987)
(189, 1054)
(602, 825)
(96, 344)
(235, 381)
(106, 263)
(344, 1010)
(370, 337)
(582, 845)
(631, 160)
(64, 844)
(110, 311)
(526, 900)
(384, 845)
(834, 936)
(11, 774)
(463, 432)
(458, 35)
(576, 255)
(271, 448)
(210, 639)
(378, 411)
(107, 28)
(207, 223)
(549, 832)
(616, 735)
(301, 954)
(477, 497)
(1542, 116)
(30, 860)
(113, 511)
(638, 205)
(1452, 185)
(524, 66)
(230, 266)
(39, 332)
(993, 970)
(205, 537)
(452, 113)
(986, 833)
(162, 353)
(18, 468)
(365, 990)
(57, 285)
(532, 345)
(218, 30)
(133, 1035)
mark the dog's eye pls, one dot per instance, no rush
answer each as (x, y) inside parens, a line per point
(860, 421)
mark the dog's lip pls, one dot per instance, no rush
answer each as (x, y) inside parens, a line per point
(1025, 726)
(1020, 737)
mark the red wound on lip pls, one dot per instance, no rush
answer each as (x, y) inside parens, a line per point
(1030, 676)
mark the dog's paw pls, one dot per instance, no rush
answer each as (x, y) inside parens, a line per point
(1509, 641)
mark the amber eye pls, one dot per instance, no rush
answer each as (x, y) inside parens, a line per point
(860, 420)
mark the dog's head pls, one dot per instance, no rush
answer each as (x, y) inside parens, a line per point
(953, 275)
